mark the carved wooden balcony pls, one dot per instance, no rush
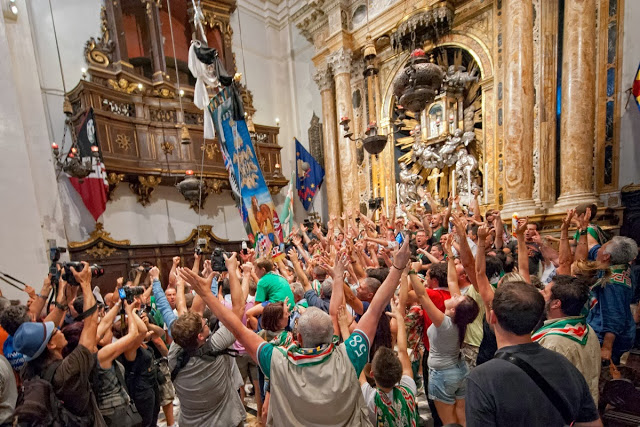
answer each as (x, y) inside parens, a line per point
(139, 133)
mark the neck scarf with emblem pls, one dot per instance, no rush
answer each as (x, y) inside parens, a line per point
(575, 328)
(619, 274)
(402, 411)
(309, 356)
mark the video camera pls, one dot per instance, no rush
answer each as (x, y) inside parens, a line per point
(128, 293)
(217, 260)
(67, 274)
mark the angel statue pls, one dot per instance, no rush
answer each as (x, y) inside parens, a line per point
(408, 187)
(418, 150)
(448, 150)
(458, 78)
(430, 158)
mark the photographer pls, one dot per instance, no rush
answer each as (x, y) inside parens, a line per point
(42, 345)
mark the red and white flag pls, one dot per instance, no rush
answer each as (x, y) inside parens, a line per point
(93, 189)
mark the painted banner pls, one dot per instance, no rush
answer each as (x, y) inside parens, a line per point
(248, 186)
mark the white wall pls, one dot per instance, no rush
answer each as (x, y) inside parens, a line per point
(277, 66)
(630, 117)
(30, 211)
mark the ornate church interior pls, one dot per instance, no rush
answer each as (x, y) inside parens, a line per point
(524, 108)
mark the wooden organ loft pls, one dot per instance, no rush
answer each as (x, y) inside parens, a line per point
(132, 85)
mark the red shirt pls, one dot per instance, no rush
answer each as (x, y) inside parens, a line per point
(438, 296)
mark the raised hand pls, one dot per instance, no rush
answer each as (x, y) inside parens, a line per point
(84, 276)
(202, 285)
(154, 273)
(566, 222)
(448, 246)
(395, 312)
(522, 226)
(483, 232)
(402, 256)
(247, 268)
(176, 261)
(231, 261)
(584, 219)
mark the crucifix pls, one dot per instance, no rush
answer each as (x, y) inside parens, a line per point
(435, 176)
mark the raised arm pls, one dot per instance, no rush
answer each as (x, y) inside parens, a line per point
(196, 263)
(466, 255)
(499, 227)
(172, 273)
(337, 293)
(523, 252)
(475, 205)
(202, 285)
(161, 300)
(302, 276)
(428, 306)
(129, 342)
(62, 300)
(41, 299)
(565, 257)
(483, 287)
(237, 302)
(107, 321)
(401, 339)
(88, 336)
(369, 321)
(582, 250)
(452, 274)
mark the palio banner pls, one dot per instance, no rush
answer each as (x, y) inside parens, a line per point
(248, 186)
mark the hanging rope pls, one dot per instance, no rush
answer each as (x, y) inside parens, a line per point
(175, 59)
(55, 36)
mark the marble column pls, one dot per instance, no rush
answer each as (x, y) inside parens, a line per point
(577, 133)
(324, 79)
(341, 65)
(518, 107)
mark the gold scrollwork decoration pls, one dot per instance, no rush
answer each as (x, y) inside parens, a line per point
(123, 141)
(167, 148)
(101, 251)
(144, 187)
(113, 179)
(164, 93)
(213, 185)
(211, 149)
(97, 234)
(123, 85)
(98, 51)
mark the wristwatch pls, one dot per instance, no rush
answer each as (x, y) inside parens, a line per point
(60, 306)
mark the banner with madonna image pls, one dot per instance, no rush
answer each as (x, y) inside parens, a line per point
(248, 186)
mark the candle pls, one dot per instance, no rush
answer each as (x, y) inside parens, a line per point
(71, 155)
(74, 150)
(54, 146)
(451, 117)
(188, 172)
(94, 148)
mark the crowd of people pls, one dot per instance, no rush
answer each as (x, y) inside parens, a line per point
(496, 325)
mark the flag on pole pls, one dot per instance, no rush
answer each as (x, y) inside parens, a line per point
(310, 175)
(92, 189)
(287, 210)
(636, 87)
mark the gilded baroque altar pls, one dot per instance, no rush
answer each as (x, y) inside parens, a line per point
(528, 157)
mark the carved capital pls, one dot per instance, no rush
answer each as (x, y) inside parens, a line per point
(144, 187)
(340, 61)
(323, 78)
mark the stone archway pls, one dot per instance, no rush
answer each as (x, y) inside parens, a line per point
(480, 53)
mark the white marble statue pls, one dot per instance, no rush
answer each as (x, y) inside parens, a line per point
(448, 150)
(466, 171)
(430, 158)
(408, 186)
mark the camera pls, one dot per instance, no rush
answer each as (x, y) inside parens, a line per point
(200, 244)
(375, 203)
(146, 265)
(67, 274)
(128, 293)
(217, 260)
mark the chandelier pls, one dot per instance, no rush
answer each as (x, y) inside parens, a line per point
(417, 84)
(192, 188)
(73, 163)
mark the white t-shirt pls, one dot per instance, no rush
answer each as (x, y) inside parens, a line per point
(369, 394)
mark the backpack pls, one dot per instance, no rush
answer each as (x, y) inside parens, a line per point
(39, 406)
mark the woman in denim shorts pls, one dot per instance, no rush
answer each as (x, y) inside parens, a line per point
(447, 369)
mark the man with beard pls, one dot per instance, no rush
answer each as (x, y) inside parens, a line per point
(566, 331)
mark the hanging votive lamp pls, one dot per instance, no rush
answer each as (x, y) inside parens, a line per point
(185, 137)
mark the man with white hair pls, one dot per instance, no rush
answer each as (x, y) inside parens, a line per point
(314, 382)
(610, 315)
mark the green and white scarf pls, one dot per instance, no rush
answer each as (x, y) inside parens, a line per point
(574, 328)
(402, 411)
